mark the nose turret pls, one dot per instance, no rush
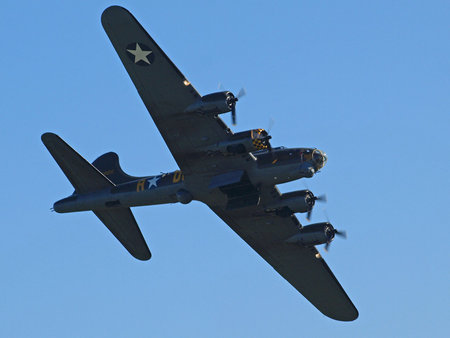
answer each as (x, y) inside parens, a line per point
(319, 158)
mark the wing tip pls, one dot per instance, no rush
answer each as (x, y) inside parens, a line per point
(145, 255)
(45, 137)
(113, 10)
(343, 316)
(50, 139)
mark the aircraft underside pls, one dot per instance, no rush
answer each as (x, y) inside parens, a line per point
(234, 173)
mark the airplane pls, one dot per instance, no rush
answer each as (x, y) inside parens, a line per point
(234, 174)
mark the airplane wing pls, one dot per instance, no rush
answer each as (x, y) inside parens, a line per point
(163, 89)
(303, 267)
(166, 93)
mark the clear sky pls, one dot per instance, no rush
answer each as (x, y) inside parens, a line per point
(367, 83)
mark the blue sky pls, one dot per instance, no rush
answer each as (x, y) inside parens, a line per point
(366, 83)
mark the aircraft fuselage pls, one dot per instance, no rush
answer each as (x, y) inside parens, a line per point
(265, 168)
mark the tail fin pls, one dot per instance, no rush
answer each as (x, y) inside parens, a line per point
(108, 164)
(86, 178)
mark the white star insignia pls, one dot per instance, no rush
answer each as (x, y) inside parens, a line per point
(139, 54)
(152, 182)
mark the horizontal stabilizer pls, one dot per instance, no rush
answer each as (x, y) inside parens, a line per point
(122, 224)
(84, 177)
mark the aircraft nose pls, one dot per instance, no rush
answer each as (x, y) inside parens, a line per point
(320, 158)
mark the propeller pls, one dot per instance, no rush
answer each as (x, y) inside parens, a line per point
(234, 99)
(241, 93)
(341, 233)
(271, 124)
(321, 198)
(268, 137)
(233, 115)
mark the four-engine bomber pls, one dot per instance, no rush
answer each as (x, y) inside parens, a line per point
(234, 174)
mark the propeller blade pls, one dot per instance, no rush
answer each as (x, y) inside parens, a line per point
(327, 245)
(271, 124)
(241, 93)
(308, 215)
(321, 198)
(343, 234)
(233, 115)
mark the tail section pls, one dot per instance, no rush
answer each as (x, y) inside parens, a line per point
(108, 165)
(87, 179)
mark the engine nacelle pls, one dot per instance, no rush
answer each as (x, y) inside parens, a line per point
(243, 142)
(314, 234)
(292, 202)
(215, 103)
